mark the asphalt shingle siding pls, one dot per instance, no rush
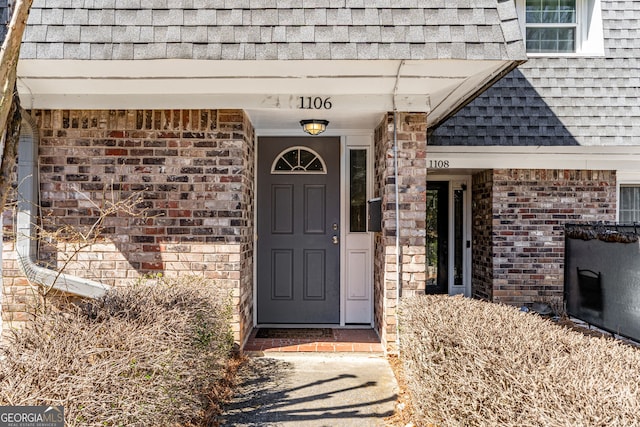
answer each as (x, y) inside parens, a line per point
(562, 101)
(273, 29)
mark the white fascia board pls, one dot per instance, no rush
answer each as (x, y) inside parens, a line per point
(628, 176)
(621, 158)
(276, 102)
(187, 68)
(256, 85)
(430, 86)
(122, 84)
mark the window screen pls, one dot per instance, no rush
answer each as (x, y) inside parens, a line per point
(551, 26)
(629, 204)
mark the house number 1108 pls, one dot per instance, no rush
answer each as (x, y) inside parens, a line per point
(315, 103)
(439, 164)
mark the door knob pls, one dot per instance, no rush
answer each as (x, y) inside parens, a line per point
(335, 240)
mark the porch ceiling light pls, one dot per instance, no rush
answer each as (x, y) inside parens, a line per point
(314, 127)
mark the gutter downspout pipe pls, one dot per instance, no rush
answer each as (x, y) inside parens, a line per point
(26, 241)
(397, 204)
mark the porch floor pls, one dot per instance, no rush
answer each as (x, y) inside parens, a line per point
(342, 341)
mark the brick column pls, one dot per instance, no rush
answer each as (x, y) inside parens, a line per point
(412, 178)
(482, 232)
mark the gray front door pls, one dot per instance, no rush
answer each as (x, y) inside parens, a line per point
(298, 230)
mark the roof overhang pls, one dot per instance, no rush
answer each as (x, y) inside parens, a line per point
(274, 93)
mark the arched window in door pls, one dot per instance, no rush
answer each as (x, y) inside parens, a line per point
(298, 160)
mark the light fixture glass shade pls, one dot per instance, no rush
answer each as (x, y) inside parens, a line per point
(314, 127)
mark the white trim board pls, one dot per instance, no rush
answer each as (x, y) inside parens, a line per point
(622, 158)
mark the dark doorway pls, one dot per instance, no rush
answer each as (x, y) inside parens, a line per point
(437, 237)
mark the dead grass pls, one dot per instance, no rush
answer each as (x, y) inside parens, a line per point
(473, 363)
(403, 415)
(154, 354)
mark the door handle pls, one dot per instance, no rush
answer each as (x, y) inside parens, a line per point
(335, 240)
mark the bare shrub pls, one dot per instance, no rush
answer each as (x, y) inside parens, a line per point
(473, 363)
(145, 355)
(62, 243)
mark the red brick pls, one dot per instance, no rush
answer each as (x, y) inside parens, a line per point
(129, 151)
(529, 239)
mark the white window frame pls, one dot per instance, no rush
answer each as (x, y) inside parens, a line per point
(619, 196)
(589, 32)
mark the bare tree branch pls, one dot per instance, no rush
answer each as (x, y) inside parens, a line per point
(10, 149)
(9, 54)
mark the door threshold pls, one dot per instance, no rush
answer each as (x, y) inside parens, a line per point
(313, 325)
(339, 340)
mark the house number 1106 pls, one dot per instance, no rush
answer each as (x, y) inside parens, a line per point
(315, 103)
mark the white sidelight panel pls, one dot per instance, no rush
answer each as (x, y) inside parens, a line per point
(358, 304)
(357, 240)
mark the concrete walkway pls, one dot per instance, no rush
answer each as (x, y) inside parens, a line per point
(313, 390)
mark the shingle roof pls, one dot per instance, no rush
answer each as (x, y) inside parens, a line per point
(273, 29)
(562, 101)
(4, 17)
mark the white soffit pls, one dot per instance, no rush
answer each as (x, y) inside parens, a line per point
(270, 91)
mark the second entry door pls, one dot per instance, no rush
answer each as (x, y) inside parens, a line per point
(448, 244)
(298, 223)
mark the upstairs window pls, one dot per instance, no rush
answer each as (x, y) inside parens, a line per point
(561, 27)
(551, 26)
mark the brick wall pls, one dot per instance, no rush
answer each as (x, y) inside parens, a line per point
(19, 299)
(530, 208)
(411, 135)
(412, 167)
(381, 242)
(482, 232)
(194, 170)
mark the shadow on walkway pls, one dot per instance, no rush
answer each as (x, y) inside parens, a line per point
(313, 390)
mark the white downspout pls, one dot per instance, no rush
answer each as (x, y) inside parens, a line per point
(397, 204)
(26, 240)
